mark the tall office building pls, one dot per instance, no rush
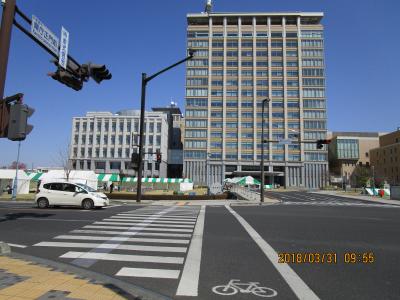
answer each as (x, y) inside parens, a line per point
(240, 59)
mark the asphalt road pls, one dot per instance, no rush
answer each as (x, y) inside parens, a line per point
(193, 252)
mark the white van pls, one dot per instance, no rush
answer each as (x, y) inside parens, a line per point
(67, 193)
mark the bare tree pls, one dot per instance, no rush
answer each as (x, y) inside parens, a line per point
(64, 161)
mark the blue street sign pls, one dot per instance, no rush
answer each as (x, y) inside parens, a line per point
(44, 35)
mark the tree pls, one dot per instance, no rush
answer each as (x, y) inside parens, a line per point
(21, 166)
(361, 175)
(64, 161)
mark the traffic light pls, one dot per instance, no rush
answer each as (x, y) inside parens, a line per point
(158, 156)
(97, 72)
(135, 161)
(67, 78)
(18, 127)
(321, 143)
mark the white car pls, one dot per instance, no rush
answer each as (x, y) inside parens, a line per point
(67, 193)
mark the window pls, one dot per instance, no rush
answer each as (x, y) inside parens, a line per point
(293, 93)
(314, 114)
(197, 92)
(196, 81)
(232, 83)
(312, 43)
(198, 44)
(231, 135)
(277, 82)
(314, 124)
(195, 154)
(231, 73)
(217, 72)
(216, 83)
(262, 64)
(311, 34)
(216, 124)
(291, 34)
(291, 53)
(218, 44)
(277, 73)
(262, 53)
(247, 73)
(231, 63)
(292, 83)
(247, 82)
(195, 144)
(196, 123)
(197, 72)
(276, 53)
(217, 53)
(291, 64)
(247, 63)
(312, 53)
(231, 145)
(216, 103)
(261, 44)
(312, 62)
(262, 93)
(247, 44)
(262, 73)
(195, 113)
(216, 134)
(262, 34)
(195, 102)
(231, 103)
(216, 114)
(313, 82)
(216, 93)
(231, 114)
(231, 44)
(276, 44)
(314, 93)
(247, 93)
(197, 63)
(247, 53)
(113, 140)
(290, 44)
(231, 124)
(291, 73)
(231, 53)
(217, 63)
(247, 34)
(277, 93)
(313, 72)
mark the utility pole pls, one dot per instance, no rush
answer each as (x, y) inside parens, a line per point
(267, 100)
(5, 39)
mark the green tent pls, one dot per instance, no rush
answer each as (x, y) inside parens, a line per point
(248, 180)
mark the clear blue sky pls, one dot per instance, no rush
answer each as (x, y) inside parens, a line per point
(131, 36)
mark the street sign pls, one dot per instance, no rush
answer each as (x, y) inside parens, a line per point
(63, 57)
(215, 188)
(285, 142)
(44, 35)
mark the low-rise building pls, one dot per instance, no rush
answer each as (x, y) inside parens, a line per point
(386, 158)
(348, 150)
(104, 142)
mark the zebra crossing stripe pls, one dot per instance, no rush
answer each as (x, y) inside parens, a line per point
(150, 224)
(131, 233)
(107, 238)
(137, 228)
(112, 246)
(156, 220)
(152, 273)
(155, 216)
(123, 257)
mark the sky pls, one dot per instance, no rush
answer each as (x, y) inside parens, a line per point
(131, 37)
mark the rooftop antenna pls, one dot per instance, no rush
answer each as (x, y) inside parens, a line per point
(208, 7)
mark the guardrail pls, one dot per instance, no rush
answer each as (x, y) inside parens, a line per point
(245, 193)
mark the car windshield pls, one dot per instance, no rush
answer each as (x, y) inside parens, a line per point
(88, 188)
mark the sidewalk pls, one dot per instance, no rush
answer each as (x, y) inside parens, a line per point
(360, 197)
(21, 279)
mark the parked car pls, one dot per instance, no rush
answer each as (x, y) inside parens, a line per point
(69, 194)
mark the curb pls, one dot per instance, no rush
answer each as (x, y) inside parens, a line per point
(124, 289)
(4, 248)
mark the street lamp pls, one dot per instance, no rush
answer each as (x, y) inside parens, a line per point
(266, 100)
(145, 80)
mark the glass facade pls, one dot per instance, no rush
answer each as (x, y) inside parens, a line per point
(347, 149)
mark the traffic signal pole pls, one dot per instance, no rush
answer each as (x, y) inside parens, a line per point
(145, 80)
(5, 39)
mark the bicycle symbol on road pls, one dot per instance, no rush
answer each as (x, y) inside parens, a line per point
(235, 286)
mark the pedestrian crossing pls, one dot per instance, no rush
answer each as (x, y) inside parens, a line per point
(149, 242)
(334, 203)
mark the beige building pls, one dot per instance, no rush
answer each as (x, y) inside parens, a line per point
(386, 158)
(348, 150)
(241, 59)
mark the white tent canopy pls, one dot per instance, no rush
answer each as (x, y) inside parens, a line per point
(7, 177)
(86, 177)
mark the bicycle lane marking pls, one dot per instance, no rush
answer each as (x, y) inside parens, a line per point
(298, 286)
(228, 253)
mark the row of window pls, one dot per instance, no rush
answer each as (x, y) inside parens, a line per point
(153, 127)
(152, 140)
(193, 154)
(273, 34)
(249, 63)
(307, 72)
(260, 82)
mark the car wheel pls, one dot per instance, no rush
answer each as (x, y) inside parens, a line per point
(43, 203)
(87, 204)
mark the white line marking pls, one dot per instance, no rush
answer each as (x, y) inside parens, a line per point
(159, 220)
(151, 224)
(152, 273)
(123, 257)
(155, 216)
(112, 246)
(189, 283)
(298, 286)
(137, 228)
(17, 245)
(131, 233)
(106, 238)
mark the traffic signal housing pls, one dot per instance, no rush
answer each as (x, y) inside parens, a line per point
(321, 143)
(67, 78)
(97, 72)
(135, 161)
(18, 127)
